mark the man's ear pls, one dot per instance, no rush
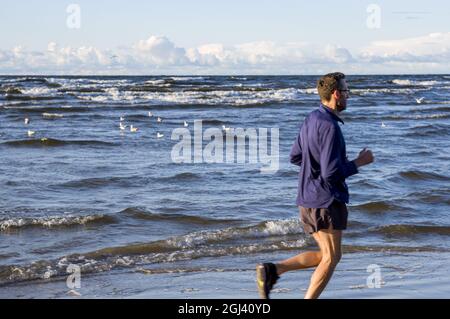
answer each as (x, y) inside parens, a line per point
(337, 94)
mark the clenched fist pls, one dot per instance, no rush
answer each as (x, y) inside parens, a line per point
(365, 157)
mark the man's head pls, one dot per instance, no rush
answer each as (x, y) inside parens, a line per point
(333, 90)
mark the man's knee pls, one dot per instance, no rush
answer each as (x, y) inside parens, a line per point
(332, 259)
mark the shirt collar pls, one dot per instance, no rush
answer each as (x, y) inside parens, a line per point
(326, 109)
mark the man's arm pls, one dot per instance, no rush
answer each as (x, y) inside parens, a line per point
(332, 168)
(296, 151)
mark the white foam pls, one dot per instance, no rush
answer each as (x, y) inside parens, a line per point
(310, 91)
(156, 82)
(37, 91)
(412, 82)
(187, 78)
(401, 82)
(225, 97)
(50, 221)
(369, 92)
(432, 116)
(269, 228)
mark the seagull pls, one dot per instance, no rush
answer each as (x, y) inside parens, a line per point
(226, 129)
(150, 114)
(383, 125)
(419, 101)
(186, 124)
(159, 120)
(122, 127)
(30, 133)
(159, 135)
(133, 129)
(27, 120)
(122, 119)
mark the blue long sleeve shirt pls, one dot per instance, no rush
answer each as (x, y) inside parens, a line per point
(320, 152)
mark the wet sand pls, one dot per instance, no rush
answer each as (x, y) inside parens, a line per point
(412, 275)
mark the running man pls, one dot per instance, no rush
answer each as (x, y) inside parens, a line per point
(320, 152)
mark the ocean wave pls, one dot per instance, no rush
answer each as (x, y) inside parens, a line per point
(209, 97)
(191, 246)
(96, 182)
(384, 91)
(202, 238)
(50, 142)
(227, 89)
(287, 173)
(387, 117)
(414, 175)
(214, 122)
(26, 108)
(44, 270)
(11, 90)
(38, 91)
(139, 213)
(428, 130)
(439, 197)
(22, 97)
(433, 116)
(408, 230)
(53, 221)
(406, 82)
(187, 78)
(81, 90)
(378, 207)
(186, 176)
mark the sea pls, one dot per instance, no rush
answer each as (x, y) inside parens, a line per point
(79, 192)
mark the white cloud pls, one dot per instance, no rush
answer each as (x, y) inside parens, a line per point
(430, 48)
(159, 55)
(159, 50)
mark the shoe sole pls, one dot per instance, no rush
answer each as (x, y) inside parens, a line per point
(260, 280)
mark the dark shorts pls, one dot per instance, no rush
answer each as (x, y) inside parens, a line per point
(333, 217)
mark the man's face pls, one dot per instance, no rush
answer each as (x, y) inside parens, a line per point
(342, 96)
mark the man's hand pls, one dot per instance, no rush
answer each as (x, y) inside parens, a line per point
(365, 157)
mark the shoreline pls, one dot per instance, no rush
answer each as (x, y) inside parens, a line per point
(413, 275)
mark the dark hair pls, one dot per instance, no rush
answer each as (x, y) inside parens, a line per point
(329, 83)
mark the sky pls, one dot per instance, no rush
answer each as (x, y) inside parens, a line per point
(224, 37)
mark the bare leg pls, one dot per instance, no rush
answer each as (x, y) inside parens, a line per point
(329, 242)
(301, 261)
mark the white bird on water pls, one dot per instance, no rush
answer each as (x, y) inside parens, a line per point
(133, 129)
(27, 120)
(383, 125)
(150, 114)
(419, 101)
(159, 120)
(30, 133)
(122, 127)
(122, 119)
(186, 124)
(159, 135)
